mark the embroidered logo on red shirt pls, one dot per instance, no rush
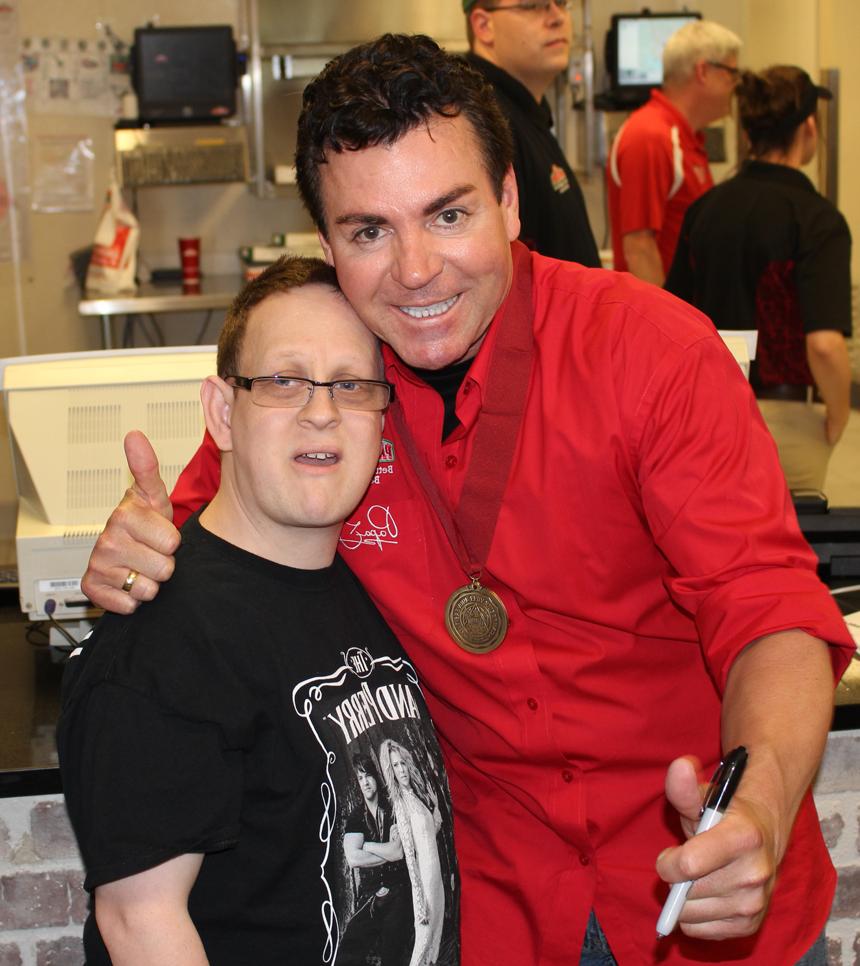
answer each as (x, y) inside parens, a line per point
(386, 454)
(558, 179)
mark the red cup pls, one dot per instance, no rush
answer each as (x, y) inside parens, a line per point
(189, 258)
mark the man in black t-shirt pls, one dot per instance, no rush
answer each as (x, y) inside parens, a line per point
(520, 52)
(207, 741)
(383, 916)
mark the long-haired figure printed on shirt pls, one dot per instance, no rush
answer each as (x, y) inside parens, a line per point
(416, 811)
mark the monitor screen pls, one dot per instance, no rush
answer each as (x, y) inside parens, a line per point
(185, 73)
(640, 40)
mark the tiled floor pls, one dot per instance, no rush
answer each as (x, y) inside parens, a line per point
(843, 475)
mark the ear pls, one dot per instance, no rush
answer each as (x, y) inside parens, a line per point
(217, 398)
(510, 204)
(482, 26)
(326, 247)
(700, 71)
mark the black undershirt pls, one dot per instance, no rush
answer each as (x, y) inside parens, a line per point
(446, 382)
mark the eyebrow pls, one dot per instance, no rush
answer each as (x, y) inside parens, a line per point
(437, 204)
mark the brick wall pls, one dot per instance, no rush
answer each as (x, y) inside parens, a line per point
(837, 796)
(42, 903)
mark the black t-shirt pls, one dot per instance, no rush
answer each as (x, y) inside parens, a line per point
(553, 216)
(223, 718)
(765, 251)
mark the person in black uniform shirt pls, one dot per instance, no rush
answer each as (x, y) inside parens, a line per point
(520, 48)
(383, 918)
(206, 741)
(765, 251)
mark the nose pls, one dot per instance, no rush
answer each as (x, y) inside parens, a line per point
(320, 410)
(555, 13)
(416, 261)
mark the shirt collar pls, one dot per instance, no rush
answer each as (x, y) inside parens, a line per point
(766, 170)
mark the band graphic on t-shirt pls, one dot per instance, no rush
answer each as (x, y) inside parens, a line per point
(387, 861)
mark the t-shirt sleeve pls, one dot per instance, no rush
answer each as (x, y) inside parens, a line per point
(198, 482)
(645, 171)
(720, 512)
(152, 737)
(143, 785)
(823, 274)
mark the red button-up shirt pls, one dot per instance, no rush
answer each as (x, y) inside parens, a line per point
(646, 537)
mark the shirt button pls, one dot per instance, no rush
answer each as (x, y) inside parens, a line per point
(467, 388)
(532, 704)
(450, 462)
(584, 859)
(567, 776)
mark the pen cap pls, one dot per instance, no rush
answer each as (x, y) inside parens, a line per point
(726, 780)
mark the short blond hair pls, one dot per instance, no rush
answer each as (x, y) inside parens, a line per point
(695, 41)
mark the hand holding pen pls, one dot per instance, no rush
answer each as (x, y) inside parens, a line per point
(720, 792)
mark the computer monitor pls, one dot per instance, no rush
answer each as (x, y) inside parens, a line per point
(185, 74)
(67, 415)
(634, 49)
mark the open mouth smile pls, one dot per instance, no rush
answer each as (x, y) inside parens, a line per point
(428, 311)
(317, 459)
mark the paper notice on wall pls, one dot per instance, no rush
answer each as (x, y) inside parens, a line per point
(74, 76)
(63, 173)
(14, 185)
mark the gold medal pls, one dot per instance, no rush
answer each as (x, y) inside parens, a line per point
(476, 618)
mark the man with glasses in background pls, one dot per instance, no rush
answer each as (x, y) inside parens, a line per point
(657, 166)
(521, 48)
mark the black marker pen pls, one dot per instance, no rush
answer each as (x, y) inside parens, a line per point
(723, 785)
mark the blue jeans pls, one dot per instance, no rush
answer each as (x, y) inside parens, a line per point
(596, 951)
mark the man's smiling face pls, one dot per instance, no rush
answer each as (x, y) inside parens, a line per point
(420, 241)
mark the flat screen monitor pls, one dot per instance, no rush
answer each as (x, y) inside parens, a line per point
(185, 74)
(635, 47)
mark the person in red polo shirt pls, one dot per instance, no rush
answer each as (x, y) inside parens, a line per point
(579, 531)
(657, 165)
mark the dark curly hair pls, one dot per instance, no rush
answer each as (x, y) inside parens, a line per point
(773, 104)
(379, 91)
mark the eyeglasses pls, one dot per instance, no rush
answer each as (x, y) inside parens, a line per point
(292, 392)
(734, 71)
(532, 6)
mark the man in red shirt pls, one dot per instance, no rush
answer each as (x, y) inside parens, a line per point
(579, 531)
(657, 165)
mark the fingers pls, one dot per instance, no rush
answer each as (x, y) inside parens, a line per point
(732, 868)
(136, 537)
(144, 467)
(731, 901)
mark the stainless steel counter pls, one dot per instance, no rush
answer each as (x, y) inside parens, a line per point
(216, 292)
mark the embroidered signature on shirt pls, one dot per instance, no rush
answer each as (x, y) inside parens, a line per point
(377, 529)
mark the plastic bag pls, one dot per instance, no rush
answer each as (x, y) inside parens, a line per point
(114, 259)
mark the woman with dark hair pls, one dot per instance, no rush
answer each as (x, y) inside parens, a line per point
(765, 251)
(418, 821)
